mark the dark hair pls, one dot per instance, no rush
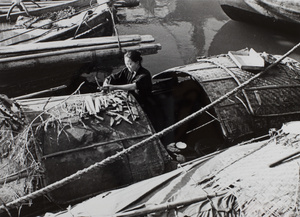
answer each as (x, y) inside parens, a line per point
(135, 56)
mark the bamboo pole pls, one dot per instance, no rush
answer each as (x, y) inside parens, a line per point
(66, 57)
(40, 92)
(273, 87)
(62, 52)
(14, 177)
(95, 145)
(48, 46)
(167, 206)
(276, 163)
(74, 55)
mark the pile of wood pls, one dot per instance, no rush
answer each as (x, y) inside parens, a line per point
(103, 46)
(60, 62)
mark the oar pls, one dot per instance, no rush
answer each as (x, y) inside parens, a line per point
(40, 92)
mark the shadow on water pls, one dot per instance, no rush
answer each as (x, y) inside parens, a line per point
(238, 35)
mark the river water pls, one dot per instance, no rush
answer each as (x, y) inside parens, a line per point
(187, 29)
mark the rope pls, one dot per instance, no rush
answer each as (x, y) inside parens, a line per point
(115, 28)
(71, 15)
(84, 19)
(94, 29)
(155, 136)
(237, 81)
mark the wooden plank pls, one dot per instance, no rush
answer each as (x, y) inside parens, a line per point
(70, 52)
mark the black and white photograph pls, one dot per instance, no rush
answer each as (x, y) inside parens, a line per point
(149, 108)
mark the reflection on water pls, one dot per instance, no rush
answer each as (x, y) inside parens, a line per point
(187, 29)
(190, 28)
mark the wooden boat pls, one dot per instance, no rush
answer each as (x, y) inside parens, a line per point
(54, 137)
(265, 103)
(236, 182)
(34, 67)
(88, 22)
(4, 7)
(283, 13)
(48, 7)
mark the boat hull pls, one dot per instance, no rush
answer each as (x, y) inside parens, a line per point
(99, 24)
(274, 13)
(43, 10)
(236, 177)
(86, 130)
(266, 103)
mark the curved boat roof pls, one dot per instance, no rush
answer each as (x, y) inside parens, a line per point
(267, 102)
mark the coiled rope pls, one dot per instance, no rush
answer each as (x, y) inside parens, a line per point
(155, 136)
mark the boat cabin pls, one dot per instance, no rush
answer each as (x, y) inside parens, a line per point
(267, 102)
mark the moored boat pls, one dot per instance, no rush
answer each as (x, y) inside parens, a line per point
(45, 140)
(46, 8)
(70, 23)
(266, 102)
(179, 93)
(240, 181)
(279, 13)
(4, 7)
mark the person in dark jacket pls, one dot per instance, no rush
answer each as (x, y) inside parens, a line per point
(133, 78)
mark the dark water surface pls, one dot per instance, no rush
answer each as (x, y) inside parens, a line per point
(187, 29)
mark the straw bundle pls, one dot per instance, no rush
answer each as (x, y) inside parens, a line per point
(18, 165)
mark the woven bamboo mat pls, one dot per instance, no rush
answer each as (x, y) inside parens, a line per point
(260, 190)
